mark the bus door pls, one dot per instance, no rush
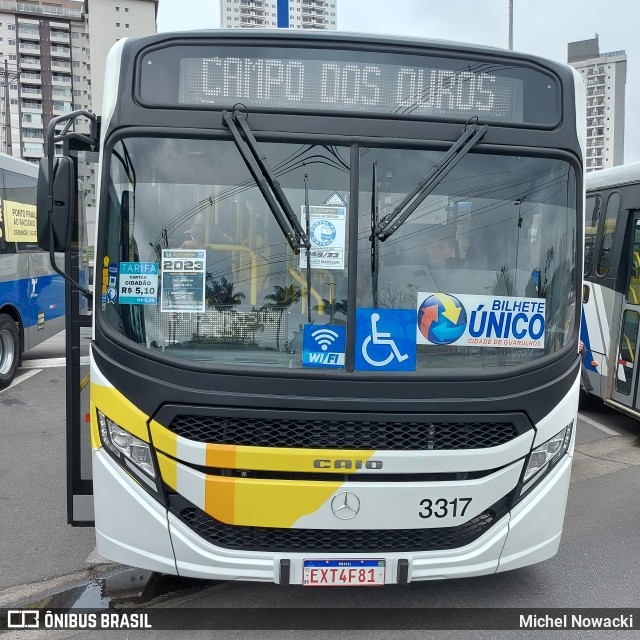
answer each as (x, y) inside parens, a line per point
(594, 330)
(625, 334)
(66, 203)
(78, 328)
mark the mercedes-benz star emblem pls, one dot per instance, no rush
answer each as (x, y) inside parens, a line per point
(345, 505)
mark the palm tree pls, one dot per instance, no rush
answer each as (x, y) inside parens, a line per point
(504, 285)
(246, 326)
(220, 295)
(280, 300)
(334, 307)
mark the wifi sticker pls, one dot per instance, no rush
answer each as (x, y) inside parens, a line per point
(323, 346)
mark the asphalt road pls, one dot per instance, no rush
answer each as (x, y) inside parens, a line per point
(597, 565)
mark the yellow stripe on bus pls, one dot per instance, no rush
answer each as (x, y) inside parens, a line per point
(264, 503)
(226, 456)
(219, 498)
(168, 471)
(164, 439)
(222, 455)
(247, 501)
(123, 412)
(96, 443)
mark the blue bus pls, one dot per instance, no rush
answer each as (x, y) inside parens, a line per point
(32, 303)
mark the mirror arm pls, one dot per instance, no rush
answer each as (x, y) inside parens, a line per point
(52, 138)
(52, 258)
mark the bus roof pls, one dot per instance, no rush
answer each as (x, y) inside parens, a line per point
(9, 163)
(346, 38)
(613, 177)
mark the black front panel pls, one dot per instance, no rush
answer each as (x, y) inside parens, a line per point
(355, 432)
(272, 539)
(547, 88)
(150, 380)
(151, 385)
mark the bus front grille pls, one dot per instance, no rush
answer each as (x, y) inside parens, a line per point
(343, 434)
(338, 540)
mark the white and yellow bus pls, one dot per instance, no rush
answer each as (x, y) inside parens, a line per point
(337, 307)
(611, 317)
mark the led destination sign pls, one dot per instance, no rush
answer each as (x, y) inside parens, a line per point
(351, 86)
(218, 76)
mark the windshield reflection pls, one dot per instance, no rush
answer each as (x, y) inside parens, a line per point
(199, 202)
(495, 226)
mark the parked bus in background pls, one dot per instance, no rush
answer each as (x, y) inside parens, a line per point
(335, 334)
(31, 294)
(611, 303)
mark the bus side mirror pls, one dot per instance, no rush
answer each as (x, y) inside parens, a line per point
(61, 217)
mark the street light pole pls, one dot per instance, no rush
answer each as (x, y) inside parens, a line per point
(510, 25)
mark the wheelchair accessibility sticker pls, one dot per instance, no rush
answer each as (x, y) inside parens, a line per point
(385, 340)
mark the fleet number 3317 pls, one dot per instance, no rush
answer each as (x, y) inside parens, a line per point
(442, 507)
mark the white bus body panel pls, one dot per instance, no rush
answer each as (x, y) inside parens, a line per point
(131, 527)
(559, 417)
(536, 523)
(596, 333)
(530, 534)
(161, 542)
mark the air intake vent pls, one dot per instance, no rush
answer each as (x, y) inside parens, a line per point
(343, 434)
(338, 541)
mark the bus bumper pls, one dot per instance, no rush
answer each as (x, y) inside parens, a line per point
(160, 542)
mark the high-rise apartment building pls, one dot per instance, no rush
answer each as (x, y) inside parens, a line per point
(605, 76)
(52, 60)
(283, 14)
(107, 22)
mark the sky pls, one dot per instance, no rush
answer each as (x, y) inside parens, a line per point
(540, 27)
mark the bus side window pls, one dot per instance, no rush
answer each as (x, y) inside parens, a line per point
(633, 288)
(591, 217)
(608, 233)
(626, 351)
(7, 247)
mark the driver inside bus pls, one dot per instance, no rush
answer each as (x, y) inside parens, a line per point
(436, 249)
(197, 234)
(440, 253)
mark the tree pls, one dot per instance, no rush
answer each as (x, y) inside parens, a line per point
(220, 294)
(504, 284)
(280, 300)
(335, 307)
(246, 325)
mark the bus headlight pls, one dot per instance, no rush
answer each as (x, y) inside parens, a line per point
(547, 454)
(125, 446)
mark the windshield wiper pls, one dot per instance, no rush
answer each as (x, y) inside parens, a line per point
(269, 186)
(307, 212)
(374, 238)
(392, 222)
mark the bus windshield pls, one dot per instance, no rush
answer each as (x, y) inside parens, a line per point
(199, 270)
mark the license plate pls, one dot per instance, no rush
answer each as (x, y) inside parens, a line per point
(341, 573)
